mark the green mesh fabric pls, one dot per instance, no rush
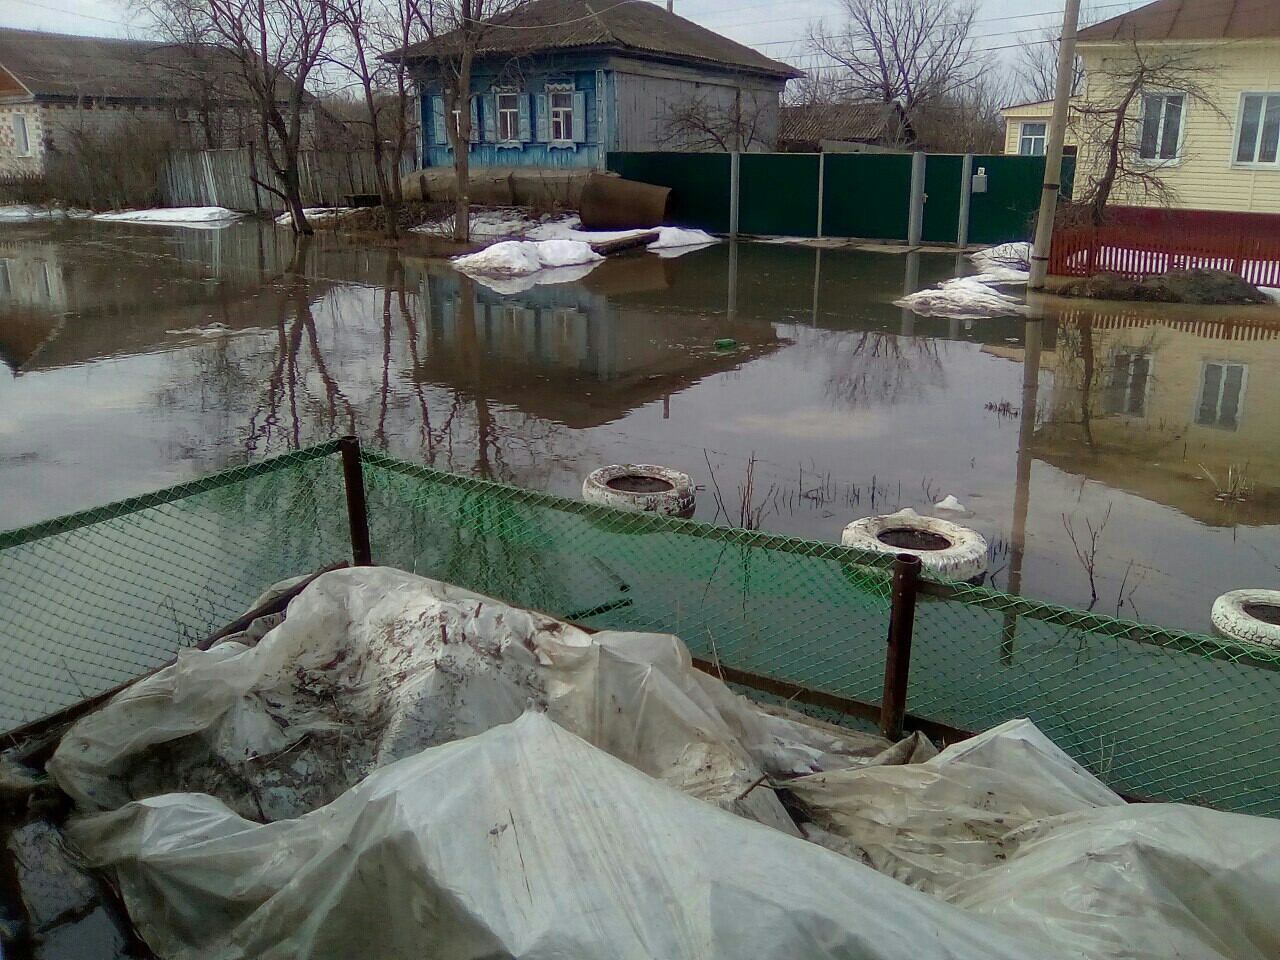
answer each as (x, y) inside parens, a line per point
(92, 600)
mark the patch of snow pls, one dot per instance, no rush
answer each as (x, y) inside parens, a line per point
(517, 258)
(949, 502)
(26, 213)
(674, 238)
(1004, 263)
(216, 329)
(214, 217)
(500, 224)
(964, 298)
(314, 213)
(1272, 292)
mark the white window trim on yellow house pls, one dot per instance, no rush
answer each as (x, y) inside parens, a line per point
(1267, 97)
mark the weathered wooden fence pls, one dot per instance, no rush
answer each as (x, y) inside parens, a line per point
(237, 178)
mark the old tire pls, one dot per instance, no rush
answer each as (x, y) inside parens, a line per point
(641, 488)
(953, 552)
(1236, 616)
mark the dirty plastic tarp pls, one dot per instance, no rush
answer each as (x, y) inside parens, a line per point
(1010, 828)
(522, 842)
(374, 664)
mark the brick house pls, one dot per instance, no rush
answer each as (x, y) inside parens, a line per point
(55, 88)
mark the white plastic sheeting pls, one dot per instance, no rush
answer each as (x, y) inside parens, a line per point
(523, 842)
(396, 771)
(373, 664)
(1008, 827)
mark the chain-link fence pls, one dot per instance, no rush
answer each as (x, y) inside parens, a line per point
(92, 600)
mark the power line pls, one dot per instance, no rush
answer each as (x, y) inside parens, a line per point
(73, 13)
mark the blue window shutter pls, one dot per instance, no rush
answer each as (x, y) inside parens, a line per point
(437, 116)
(524, 118)
(579, 117)
(543, 112)
(475, 120)
(490, 104)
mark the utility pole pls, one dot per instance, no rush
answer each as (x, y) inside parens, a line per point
(1053, 155)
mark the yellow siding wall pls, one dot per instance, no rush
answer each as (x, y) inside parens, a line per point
(1206, 177)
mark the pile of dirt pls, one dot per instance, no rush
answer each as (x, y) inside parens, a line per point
(1177, 286)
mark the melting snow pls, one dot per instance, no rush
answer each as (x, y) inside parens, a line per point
(502, 224)
(175, 216)
(949, 502)
(1005, 263)
(965, 298)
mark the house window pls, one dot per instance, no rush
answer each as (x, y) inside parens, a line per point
(1126, 393)
(1162, 115)
(1259, 129)
(508, 117)
(1221, 395)
(1033, 139)
(20, 139)
(562, 115)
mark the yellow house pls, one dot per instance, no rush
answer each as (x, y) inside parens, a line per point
(1219, 152)
(1026, 129)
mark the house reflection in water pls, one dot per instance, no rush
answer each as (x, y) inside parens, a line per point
(1178, 405)
(578, 354)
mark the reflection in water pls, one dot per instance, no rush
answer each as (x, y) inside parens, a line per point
(131, 358)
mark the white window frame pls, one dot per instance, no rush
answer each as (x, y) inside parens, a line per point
(507, 115)
(1023, 137)
(1244, 387)
(563, 116)
(1257, 143)
(1157, 160)
(22, 149)
(1128, 391)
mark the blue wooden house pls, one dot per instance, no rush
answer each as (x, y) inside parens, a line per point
(560, 83)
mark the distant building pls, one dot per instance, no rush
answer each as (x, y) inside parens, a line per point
(55, 88)
(1026, 130)
(566, 81)
(845, 128)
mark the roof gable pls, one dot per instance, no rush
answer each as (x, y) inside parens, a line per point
(1190, 20)
(842, 121)
(52, 65)
(643, 28)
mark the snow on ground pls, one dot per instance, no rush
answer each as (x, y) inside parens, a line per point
(314, 213)
(964, 298)
(1005, 263)
(512, 266)
(208, 217)
(1272, 292)
(950, 503)
(26, 213)
(513, 223)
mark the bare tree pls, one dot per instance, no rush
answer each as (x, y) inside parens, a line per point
(1035, 67)
(364, 29)
(910, 52)
(276, 45)
(719, 118)
(1131, 123)
(968, 120)
(456, 32)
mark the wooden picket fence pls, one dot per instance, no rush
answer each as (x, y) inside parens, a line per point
(234, 178)
(1137, 250)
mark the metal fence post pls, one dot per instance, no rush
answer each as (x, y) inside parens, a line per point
(822, 184)
(915, 214)
(966, 201)
(735, 190)
(897, 664)
(357, 508)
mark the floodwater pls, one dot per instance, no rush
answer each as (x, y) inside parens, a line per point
(1121, 457)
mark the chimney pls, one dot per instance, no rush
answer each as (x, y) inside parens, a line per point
(671, 6)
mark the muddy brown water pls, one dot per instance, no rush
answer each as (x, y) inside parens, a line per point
(639, 485)
(909, 539)
(135, 357)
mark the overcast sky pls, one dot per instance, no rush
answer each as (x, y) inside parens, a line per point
(776, 27)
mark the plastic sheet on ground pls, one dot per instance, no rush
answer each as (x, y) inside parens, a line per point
(523, 842)
(373, 665)
(1008, 827)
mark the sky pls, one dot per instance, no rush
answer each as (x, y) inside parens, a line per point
(776, 27)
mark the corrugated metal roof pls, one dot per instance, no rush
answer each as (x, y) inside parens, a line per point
(854, 122)
(1191, 20)
(615, 24)
(56, 65)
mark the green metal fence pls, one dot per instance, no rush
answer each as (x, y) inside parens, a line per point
(92, 600)
(862, 195)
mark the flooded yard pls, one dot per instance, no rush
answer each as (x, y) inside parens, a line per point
(1121, 457)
